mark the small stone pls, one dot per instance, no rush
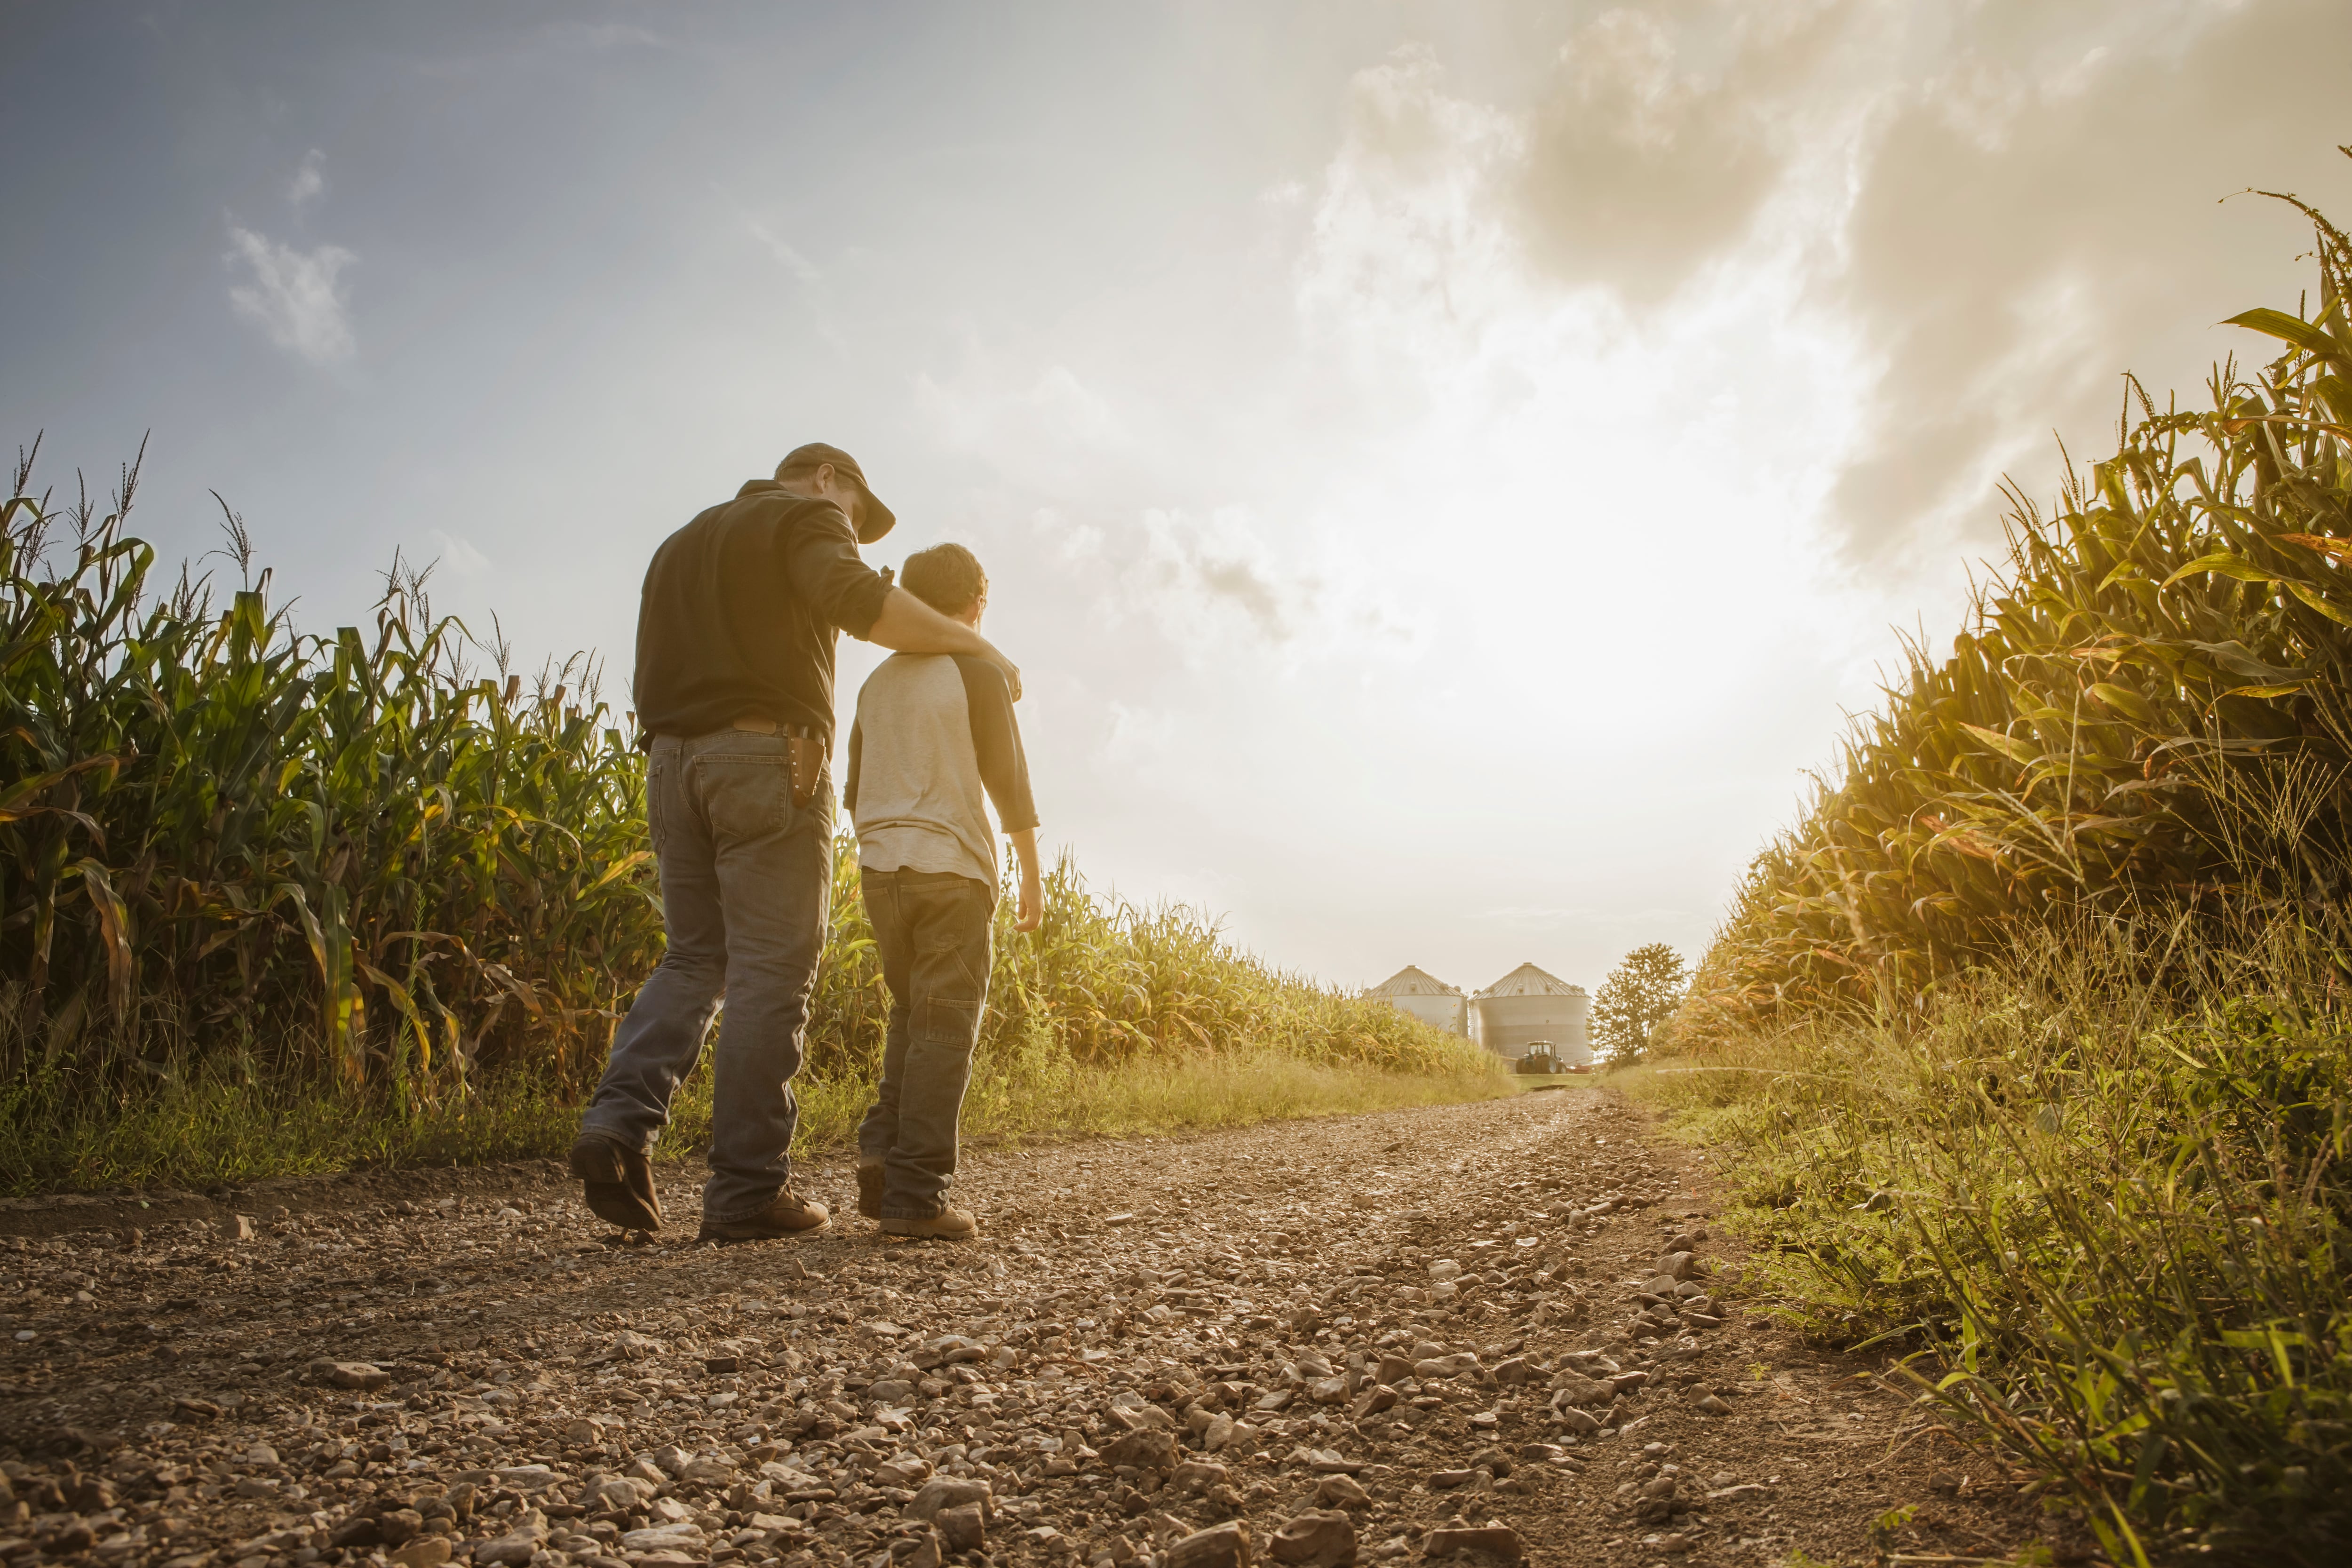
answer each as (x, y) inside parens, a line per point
(1393, 1369)
(428, 1551)
(1321, 1538)
(903, 1470)
(943, 1492)
(1218, 1433)
(1342, 1491)
(1444, 1269)
(1328, 1391)
(617, 1494)
(358, 1531)
(682, 1536)
(965, 1527)
(399, 1525)
(1495, 1541)
(349, 1373)
(1372, 1401)
(1447, 1480)
(1225, 1545)
(720, 1365)
(517, 1547)
(891, 1391)
(1198, 1475)
(1712, 1405)
(1677, 1265)
(1150, 1449)
(1517, 1370)
(1579, 1422)
(240, 1227)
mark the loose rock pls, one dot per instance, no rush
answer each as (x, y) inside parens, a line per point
(1320, 1537)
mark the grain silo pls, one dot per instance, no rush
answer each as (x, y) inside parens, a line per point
(1526, 1006)
(1416, 990)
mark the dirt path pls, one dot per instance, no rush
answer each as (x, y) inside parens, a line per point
(1414, 1320)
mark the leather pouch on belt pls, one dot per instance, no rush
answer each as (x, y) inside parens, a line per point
(808, 765)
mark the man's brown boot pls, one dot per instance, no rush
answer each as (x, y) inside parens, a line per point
(948, 1225)
(619, 1182)
(870, 1183)
(787, 1214)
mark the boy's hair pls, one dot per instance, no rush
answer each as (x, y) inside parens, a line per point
(947, 577)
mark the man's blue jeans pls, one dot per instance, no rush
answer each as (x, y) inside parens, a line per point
(931, 930)
(746, 878)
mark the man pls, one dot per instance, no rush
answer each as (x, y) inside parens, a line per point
(932, 735)
(734, 689)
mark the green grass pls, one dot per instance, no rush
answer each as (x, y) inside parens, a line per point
(2098, 1192)
(222, 1128)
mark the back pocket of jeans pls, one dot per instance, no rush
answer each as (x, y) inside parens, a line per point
(744, 796)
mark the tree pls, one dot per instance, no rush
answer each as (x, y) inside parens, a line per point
(1639, 994)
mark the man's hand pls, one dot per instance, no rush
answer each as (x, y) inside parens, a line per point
(907, 625)
(1029, 912)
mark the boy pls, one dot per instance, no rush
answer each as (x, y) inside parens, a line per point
(933, 731)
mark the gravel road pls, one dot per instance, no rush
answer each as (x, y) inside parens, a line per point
(1488, 1331)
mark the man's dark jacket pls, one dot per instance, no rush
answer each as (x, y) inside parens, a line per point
(739, 614)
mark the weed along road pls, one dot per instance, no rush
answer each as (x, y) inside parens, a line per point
(1500, 1331)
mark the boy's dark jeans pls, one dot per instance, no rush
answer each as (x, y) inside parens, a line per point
(746, 876)
(932, 929)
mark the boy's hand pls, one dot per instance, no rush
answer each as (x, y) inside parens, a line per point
(1030, 913)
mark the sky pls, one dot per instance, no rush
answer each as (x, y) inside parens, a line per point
(1445, 470)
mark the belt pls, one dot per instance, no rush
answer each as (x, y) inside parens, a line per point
(759, 726)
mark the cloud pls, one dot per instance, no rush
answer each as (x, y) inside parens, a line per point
(1639, 168)
(309, 180)
(1207, 578)
(1995, 207)
(2040, 215)
(799, 266)
(462, 556)
(296, 297)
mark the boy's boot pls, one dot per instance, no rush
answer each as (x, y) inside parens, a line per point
(786, 1214)
(948, 1225)
(871, 1179)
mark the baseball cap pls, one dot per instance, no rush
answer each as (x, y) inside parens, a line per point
(878, 519)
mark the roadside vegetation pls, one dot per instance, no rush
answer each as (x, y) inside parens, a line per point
(1637, 1001)
(2027, 1049)
(274, 902)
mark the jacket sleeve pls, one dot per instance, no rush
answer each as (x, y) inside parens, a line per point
(821, 558)
(996, 738)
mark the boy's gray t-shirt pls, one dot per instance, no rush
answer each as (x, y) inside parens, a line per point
(933, 733)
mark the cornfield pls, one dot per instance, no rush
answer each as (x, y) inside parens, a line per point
(2028, 1048)
(222, 837)
(2152, 697)
(353, 864)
